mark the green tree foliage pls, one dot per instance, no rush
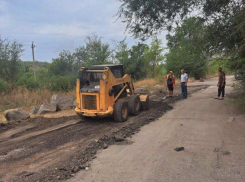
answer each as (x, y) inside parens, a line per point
(26, 78)
(94, 52)
(62, 72)
(63, 83)
(222, 62)
(225, 18)
(63, 65)
(227, 36)
(154, 57)
(4, 86)
(188, 48)
(138, 66)
(122, 54)
(133, 59)
(146, 17)
(9, 60)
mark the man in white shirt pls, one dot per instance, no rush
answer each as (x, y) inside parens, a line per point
(184, 80)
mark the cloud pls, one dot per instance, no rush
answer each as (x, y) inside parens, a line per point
(72, 29)
(74, 6)
(5, 18)
(3, 6)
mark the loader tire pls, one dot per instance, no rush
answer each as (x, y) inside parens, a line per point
(134, 104)
(120, 113)
(145, 105)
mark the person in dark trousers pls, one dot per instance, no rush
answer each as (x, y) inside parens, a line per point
(221, 84)
(170, 79)
(184, 80)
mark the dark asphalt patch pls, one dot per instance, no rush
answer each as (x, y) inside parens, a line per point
(178, 149)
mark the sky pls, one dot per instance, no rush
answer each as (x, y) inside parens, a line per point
(56, 25)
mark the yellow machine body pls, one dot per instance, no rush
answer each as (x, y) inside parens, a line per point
(101, 104)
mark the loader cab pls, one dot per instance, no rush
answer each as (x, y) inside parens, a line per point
(90, 78)
(89, 81)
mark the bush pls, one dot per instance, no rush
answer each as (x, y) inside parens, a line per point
(216, 63)
(241, 98)
(4, 87)
(27, 80)
(63, 83)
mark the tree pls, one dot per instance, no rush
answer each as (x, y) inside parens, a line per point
(225, 18)
(146, 17)
(9, 60)
(94, 52)
(62, 65)
(80, 57)
(123, 54)
(227, 37)
(154, 57)
(133, 59)
(188, 48)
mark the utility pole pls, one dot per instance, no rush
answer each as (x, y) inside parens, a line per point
(33, 58)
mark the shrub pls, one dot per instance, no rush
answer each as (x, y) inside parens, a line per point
(4, 87)
(63, 83)
(241, 98)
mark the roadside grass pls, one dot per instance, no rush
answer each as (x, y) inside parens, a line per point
(26, 99)
(148, 83)
(237, 97)
(151, 84)
(241, 98)
(241, 102)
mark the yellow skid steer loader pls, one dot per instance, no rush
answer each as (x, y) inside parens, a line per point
(104, 91)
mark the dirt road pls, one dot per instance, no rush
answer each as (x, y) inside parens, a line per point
(211, 132)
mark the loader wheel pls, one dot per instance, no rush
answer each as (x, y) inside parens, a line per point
(145, 105)
(120, 113)
(134, 104)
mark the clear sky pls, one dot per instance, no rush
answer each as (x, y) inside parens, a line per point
(56, 25)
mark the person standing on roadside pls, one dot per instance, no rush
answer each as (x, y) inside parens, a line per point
(170, 79)
(184, 80)
(221, 84)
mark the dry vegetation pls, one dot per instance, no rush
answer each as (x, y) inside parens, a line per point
(26, 99)
(149, 83)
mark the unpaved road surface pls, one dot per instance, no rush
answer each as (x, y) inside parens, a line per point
(211, 132)
(56, 149)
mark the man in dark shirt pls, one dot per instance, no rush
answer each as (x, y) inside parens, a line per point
(221, 84)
